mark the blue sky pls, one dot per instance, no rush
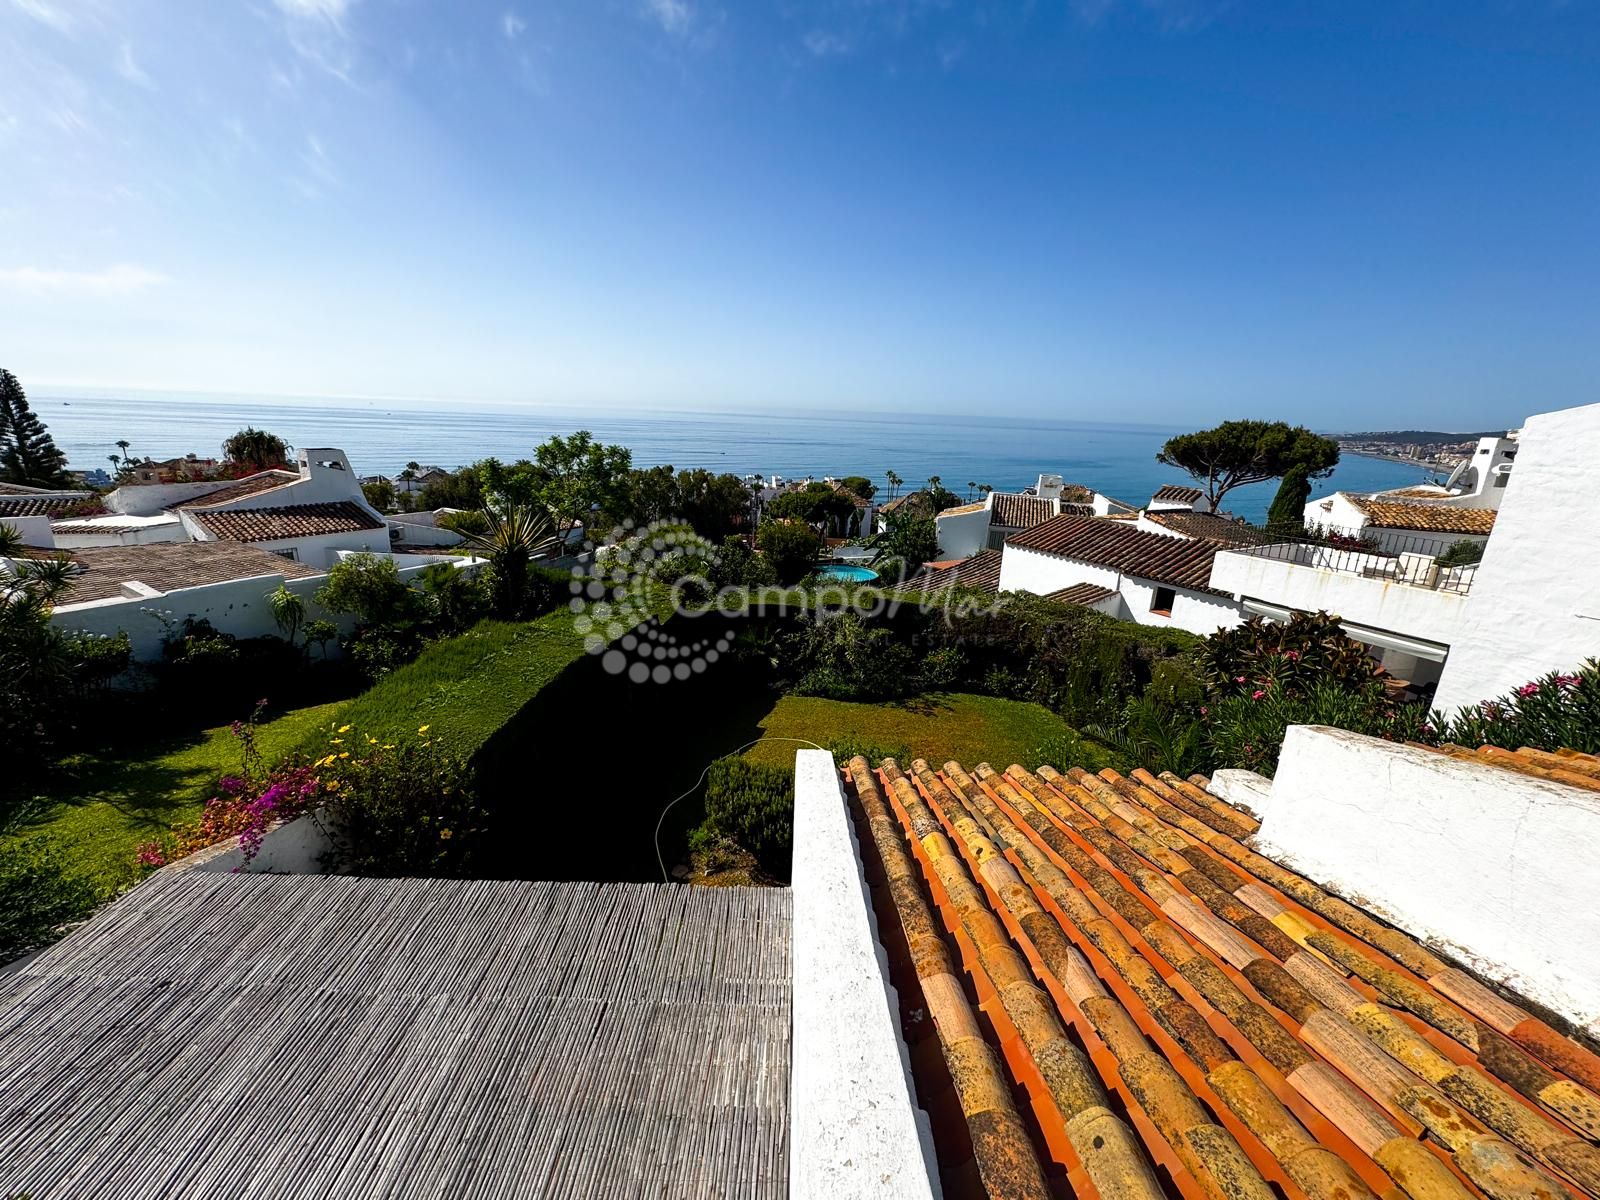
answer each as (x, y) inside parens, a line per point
(1352, 214)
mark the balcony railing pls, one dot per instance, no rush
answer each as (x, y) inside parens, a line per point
(1409, 559)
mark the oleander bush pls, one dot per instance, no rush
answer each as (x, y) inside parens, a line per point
(1248, 731)
(1292, 656)
(1557, 711)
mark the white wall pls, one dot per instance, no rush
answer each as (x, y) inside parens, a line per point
(854, 1126)
(1400, 608)
(1494, 866)
(322, 552)
(238, 606)
(1024, 570)
(963, 534)
(35, 531)
(121, 530)
(148, 499)
(1535, 604)
(1335, 514)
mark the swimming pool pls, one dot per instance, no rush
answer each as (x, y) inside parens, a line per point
(843, 574)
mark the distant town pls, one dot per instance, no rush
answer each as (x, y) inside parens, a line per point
(1418, 447)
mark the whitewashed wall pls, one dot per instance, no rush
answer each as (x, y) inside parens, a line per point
(1495, 867)
(238, 606)
(962, 535)
(1024, 570)
(1535, 604)
(148, 499)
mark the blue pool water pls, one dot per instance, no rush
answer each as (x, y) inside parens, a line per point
(848, 574)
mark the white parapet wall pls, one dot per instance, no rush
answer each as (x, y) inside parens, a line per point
(854, 1126)
(1493, 867)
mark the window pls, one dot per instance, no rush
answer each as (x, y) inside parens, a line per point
(288, 552)
(1161, 602)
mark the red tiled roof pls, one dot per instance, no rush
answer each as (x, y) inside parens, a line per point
(291, 521)
(1228, 1026)
(18, 489)
(1182, 561)
(1081, 593)
(1012, 511)
(169, 566)
(1208, 525)
(1435, 518)
(981, 571)
(38, 506)
(252, 485)
(1178, 494)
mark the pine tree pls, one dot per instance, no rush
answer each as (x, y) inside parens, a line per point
(1287, 514)
(28, 454)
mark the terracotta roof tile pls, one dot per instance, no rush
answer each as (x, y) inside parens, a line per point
(1178, 494)
(1435, 518)
(252, 485)
(1081, 593)
(18, 489)
(290, 521)
(981, 571)
(975, 506)
(1012, 511)
(38, 506)
(1417, 493)
(1137, 960)
(168, 566)
(1182, 561)
(1208, 525)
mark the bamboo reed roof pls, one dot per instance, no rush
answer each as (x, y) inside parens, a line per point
(218, 1035)
(1118, 998)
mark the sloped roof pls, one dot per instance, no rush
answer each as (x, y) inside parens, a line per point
(981, 571)
(1417, 493)
(289, 521)
(1166, 981)
(958, 510)
(1178, 494)
(1081, 593)
(238, 489)
(1208, 525)
(1011, 510)
(30, 505)
(213, 1035)
(1185, 562)
(19, 489)
(169, 566)
(1435, 518)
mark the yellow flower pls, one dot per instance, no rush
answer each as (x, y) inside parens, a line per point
(444, 833)
(421, 729)
(344, 729)
(388, 746)
(346, 754)
(336, 741)
(333, 785)
(371, 741)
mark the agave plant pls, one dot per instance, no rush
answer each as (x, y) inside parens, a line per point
(37, 581)
(10, 541)
(513, 539)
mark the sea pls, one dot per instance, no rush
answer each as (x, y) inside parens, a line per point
(963, 451)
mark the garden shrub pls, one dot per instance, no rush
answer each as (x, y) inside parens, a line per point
(1554, 712)
(1248, 731)
(1461, 554)
(845, 657)
(844, 749)
(37, 896)
(1070, 748)
(753, 805)
(790, 548)
(1293, 655)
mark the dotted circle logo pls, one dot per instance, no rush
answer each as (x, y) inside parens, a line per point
(612, 596)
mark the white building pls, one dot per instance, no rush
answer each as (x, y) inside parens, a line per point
(986, 524)
(1473, 629)
(1159, 579)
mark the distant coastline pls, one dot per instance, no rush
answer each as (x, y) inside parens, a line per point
(1395, 458)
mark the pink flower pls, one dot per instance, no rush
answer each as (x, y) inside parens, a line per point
(1204, 710)
(1292, 655)
(1568, 682)
(150, 855)
(1238, 678)
(1528, 689)
(1257, 695)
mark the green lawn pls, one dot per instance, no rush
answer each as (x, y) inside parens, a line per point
(101, 808)
(968, 728)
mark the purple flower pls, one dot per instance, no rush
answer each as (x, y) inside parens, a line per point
(230, 785)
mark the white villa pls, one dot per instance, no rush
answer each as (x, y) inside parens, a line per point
(213, 550)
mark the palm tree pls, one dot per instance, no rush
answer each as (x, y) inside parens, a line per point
(10, 541)
(288, 611)
(123, 444)
(37, 581)
(971, 485)
(894, 484)
(514, 538)
(116, 463)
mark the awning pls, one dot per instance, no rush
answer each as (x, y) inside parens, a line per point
(1418, 647)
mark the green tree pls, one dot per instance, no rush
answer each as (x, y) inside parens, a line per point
(512, 541)
(1236, 453)
(256, 450)
(859, 485)
(577, 476)
(894, 483)
(790, 548)
(911, 538)
(28, 454)
(379, 494)
(461, 489)
(717, 506)
(288, 611)
(1288, 511)
(818, 505)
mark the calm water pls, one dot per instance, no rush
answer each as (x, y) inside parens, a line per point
(381, 436)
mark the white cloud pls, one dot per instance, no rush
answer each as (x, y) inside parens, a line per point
(47, 14)
(121, 280)
(512, 25)
(823, 44)
(675, 16)
(331, 11)
(130, 70)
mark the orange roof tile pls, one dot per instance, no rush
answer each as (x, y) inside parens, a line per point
(1236, 1030)
(1011, 511)
(290, 521)
(1081, 593)
(1155, 556)
(169, 566)
(1435, 518)
(1178, 494)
